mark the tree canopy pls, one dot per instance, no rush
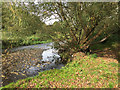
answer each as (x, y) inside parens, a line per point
(18, 20)
(87, 23)
(81, 24)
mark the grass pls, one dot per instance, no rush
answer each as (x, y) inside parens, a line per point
(83, 72)
(15, 41)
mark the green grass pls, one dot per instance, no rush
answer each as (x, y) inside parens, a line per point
(23, 41)
(89, 72)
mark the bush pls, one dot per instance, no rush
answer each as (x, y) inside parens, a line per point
(94, 55)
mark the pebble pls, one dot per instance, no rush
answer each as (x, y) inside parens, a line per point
(23, 60)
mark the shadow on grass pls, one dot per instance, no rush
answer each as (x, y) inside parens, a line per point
(109, 48)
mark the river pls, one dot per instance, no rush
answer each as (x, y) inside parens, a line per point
(28, 61)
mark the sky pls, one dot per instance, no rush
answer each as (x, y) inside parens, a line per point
(47, 21)
(50, 22)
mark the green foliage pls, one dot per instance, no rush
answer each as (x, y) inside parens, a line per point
(20, 27)
(113, 64)
(18, 21)
(85, 24)
(6, 44)
(111, 85)
(94, 55)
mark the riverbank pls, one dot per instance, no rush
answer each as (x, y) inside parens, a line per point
(8, 43)
(85, 71)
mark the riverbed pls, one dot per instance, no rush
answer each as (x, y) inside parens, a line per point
(28, 61)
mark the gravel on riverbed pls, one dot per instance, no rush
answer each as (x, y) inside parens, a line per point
(14, 64)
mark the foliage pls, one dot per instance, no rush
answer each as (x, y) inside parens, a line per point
(31, 40)
(18, 21)
(21, 27)
(84, 24)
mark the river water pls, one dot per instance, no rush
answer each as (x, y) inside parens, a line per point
(30, 66)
